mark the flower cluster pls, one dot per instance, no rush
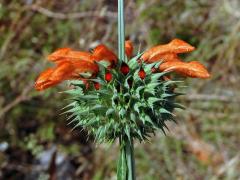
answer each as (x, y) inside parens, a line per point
(113, 98)
(82, 65)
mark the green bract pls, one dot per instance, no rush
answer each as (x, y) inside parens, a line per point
(127, 106)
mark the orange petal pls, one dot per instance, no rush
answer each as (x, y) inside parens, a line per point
(176, 46)
(164, 58)
(67, 53)
(192, 69)
(44, 75)
(46, 80)
(180, 46)
(43, 78)
(102, 53)
(84, 67)
(128, 48)
(46, 85)
(62, 72)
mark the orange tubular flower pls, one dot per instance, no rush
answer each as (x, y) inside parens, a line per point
(128, 48)
(65, 70)
(81, 65)
(67, 53)
(102, 53)
(52, 77)
(84, 67)
(167, 52)
(192, 69)
(168, 55)
(73, 65)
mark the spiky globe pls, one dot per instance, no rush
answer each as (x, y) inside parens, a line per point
(132, 104)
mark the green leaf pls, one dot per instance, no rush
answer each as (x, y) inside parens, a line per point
(138, 91)
(152, 85)
(169, 82)
(89, 97)
(133, 117)
(75, 92)
(148, 67)
(155, 77)
(179, 106)
(153, 100)
(127, 132)
(110, 111)
(137, 106)
(133, 63)
(122, 113)
(164, 111)
(86, 75)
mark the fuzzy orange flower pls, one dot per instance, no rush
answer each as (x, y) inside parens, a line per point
(75, 65)
(102, 53)
(65, 70)
(67, 53)
(191, 69)
(168, 55)
(128, 48)
(176, 46)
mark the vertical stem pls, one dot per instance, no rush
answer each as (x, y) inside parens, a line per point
(126, 164)
(121, 31)
(130, 159)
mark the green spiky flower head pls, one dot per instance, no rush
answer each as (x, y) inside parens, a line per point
(130, 100)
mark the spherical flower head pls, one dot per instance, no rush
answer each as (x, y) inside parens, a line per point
(114, 99)
(131, 104)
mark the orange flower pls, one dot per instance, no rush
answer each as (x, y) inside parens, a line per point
(168, 55)
(65, 70)
(165, 58)
(167, 52)
(51, 77)
(102, 53)
(192, 69)
(128, 48)
(73, 65)
(81, 65)
(67, 53)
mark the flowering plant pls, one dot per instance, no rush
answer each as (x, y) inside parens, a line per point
(123, 97)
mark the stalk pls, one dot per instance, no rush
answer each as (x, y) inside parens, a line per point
(130, 159)
(121, 31)
(126, 164)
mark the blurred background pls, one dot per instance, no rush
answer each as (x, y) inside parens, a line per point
(37, 143)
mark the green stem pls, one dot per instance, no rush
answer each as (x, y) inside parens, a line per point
(126, 163)
(121, 31)
(130, 159)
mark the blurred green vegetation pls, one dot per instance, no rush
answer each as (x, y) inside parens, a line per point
(204, 145)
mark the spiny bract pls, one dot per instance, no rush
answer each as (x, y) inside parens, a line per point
(127, 106)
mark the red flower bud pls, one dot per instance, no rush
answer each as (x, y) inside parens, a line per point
(108, 76)
(142, 74)
(97, 85)
(124, 69)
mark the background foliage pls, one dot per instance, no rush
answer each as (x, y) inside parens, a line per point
(35, 140)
